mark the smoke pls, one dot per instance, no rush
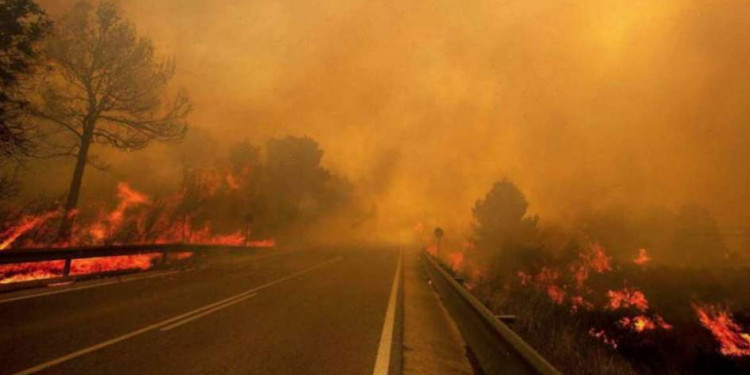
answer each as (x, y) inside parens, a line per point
(424, 104)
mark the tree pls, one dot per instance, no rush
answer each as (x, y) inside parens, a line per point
(503, 233)
(697, 240)
(23, 24)
(107, 88)
(295, 188)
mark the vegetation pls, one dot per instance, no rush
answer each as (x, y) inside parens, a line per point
(24, 24)
(106, 86)
(567, 288)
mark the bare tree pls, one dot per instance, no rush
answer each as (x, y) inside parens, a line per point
(108, 88)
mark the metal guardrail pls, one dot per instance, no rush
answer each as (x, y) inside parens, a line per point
(69, 253)
(497, 348)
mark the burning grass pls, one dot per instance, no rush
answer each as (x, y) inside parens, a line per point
(135, 219)
(682, 309)
(597, 316)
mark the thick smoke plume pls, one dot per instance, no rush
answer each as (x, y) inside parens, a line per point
(586, 105)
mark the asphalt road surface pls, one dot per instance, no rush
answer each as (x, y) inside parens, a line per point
(316, 312)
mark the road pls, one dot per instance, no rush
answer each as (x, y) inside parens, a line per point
(314, 312)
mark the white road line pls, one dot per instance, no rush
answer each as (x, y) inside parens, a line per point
(383, 360)
(126, 336)
(210, 311)
(82, 287)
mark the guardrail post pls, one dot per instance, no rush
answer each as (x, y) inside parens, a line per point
(66, 268)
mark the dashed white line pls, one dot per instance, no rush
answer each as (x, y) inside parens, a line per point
(200, 315)
(236, 297)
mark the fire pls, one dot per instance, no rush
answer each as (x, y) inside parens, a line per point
(267, 243)
(127, 221)
(597, 259)
(594, 260)
(418, 226)
(601, 335)
(579, 302)
(642, 258)
(432, 249)
(642, 323)
(205, 236)
(625, 298)
(456, 261)
(116, 263)
(231, 180)
(556, 294)
(110, 223)
(13, 273)
(553, 281)
(27, 223)
(733, 340)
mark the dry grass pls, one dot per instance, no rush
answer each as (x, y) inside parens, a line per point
(557, 335)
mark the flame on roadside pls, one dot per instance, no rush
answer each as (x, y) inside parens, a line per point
(642, 257)
(108, 224)
(13, 273)
(734, 341)
(26, 224)
(116, 263)
(267, 243)
(456, 261)
(104, 230)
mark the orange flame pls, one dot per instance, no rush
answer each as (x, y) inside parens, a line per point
(456, 261)
(642, 323)
(627, 297)
(13, 273)
(267, 243)
(733, 340)
(27, 223)
(642, 258)
(116, 263)
(231, 180)
(110, 223)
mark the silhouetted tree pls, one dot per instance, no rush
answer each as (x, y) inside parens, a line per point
(244, 156)
(295, 187)
(22, 25)
(108, 88)
(697, 240)
(503, 234)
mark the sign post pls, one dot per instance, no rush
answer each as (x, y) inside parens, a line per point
(438, 236)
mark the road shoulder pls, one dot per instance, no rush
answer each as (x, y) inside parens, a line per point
(432, 343)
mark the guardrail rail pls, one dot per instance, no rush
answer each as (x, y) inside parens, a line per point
(497, 348)
(67, 254)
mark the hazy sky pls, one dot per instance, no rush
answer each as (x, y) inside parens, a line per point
(424, 104)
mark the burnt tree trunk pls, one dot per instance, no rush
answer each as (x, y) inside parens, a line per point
(66, 225)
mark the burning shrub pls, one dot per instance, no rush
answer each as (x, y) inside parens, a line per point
(592, 312)
(504, 237)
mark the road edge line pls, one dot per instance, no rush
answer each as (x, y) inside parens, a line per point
(386, 346)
